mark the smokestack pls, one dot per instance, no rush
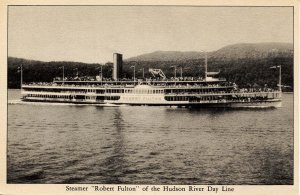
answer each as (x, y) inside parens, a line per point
(117, 69)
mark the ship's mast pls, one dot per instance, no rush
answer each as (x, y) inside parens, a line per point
(21, 75)
(180, 72)
(279, 84)
(205, 66)
(101, 75)
(143, 73)
(133, 66)
(279, 79)
(63, 75)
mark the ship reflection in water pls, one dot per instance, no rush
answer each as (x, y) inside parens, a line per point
(149, 145)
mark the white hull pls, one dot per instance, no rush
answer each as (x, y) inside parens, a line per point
(261, 104)
(154, 96)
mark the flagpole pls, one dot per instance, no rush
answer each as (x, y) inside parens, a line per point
(181, 72)
(21, 75)
(279, 78)
(205, 65)
(101, 75)
(63, 75)
(174, 71)
(134, 74)
(133, 66)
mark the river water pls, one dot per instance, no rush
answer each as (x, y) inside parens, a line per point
(50, 143)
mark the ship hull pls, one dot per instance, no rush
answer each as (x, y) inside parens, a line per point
(258, 104)
(261, 104)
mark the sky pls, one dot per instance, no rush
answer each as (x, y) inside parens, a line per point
(92, 34)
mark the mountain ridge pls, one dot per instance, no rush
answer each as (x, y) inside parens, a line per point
(234, 51)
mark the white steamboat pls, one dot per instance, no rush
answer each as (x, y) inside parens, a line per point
(207, 92)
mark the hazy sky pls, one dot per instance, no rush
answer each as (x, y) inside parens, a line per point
(93, 33)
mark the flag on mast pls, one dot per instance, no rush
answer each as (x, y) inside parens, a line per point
(275, 67)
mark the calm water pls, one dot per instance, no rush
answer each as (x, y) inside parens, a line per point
(149, 145)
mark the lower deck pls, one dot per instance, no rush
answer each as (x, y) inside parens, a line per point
(160, 101)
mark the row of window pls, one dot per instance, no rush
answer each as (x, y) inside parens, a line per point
(77, 97)
(112, 98)
(182, 91)
(49, 96)
(145, 91)
(90, 97)
(135, 91)
(208, 98)
(91, 90)
(60, 90)
(177, 98)
(114, 90)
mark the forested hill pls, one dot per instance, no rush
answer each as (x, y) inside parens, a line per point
(244, 64)
(254, 50)
(230, 52)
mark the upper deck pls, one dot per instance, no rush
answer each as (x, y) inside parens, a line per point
(141, 82)
(129, 84)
